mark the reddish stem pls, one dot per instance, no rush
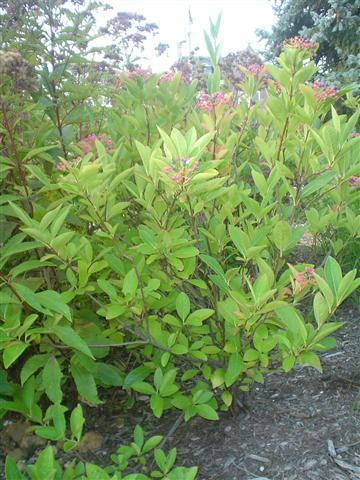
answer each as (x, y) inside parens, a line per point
(17, 158)
(7, 281)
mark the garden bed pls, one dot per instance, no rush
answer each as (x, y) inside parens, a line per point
(290, 433)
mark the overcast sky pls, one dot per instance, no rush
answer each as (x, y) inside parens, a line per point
(240, 19)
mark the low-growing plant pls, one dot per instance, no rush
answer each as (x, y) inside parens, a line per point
(128, 458)
(154, 255)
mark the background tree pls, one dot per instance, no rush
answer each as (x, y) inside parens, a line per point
(334, 24)
(231, 67)
(198, 68)
(58, 37)
(129, 32)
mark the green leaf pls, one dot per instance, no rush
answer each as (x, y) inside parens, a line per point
(12, 352)
(282, 235)
(49, 217)
(52, 376)
(53, 301)
(288, 363)
(131, 283)
(57, 413)
(135, 376)
(32, 364)
(317, 184)
(143, 387)
(35, 151)
(251, 355)
(182, 305)
(157, 405)
(235, 367)
(152, 443)
(109, 374)
(333, 274)
(206, 411)
(310, 358)
(11, 470)
(11, 249)
(77, 421)
(85, 383)
(28, 394)
(196, 318)
(30, 298)
(327, 329)
(321, 310)
(168, 386)
(58, 223)
(326, 291)
(27, 266)
(210, 49)
(44, 467)
(181, 402)
(160, 459)
(227, 398)
(236, 236)
(139, 436)
(293, 320)
(179, 349)
(186, 252)
(21, 214)
(94, 472)
(108, 288)
(260, 182)
(69, 337)
(50, 433)
(6, 388)
(213, 264)
(347, 285)
(218, 378)
(168, 143)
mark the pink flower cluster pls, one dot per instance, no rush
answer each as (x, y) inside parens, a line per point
(354, 181)
(256, 69)
(322, 93)
(277, 87)
(301, 44)
(65, 165)
(88, 143)
(180, 175)
(118, 82)
(355, 134)
(168, 76)
(207, 102)
(302, 279)
(309, 272)
(139, 72)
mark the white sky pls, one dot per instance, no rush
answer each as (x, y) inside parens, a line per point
(240, 19)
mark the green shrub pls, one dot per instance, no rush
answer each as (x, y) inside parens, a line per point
(138, 453)
(153, 256)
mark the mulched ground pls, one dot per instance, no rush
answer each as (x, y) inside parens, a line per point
(300, 426)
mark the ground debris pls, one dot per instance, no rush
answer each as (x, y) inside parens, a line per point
(299, 426)
(258, 458)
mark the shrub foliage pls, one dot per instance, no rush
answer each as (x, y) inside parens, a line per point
(148, 235)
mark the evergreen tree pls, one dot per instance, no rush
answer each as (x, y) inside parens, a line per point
(334, 24)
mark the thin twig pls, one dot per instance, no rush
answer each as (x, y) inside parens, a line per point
(17, 158)
(170, 433)
(172, 430)
(12, 288)
(99, 345)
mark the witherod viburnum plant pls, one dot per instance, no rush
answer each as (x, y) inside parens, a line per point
(157, 255)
